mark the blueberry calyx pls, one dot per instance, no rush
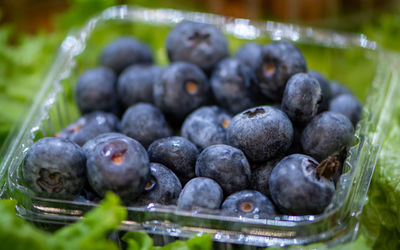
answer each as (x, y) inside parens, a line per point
(328, 167)
(50, 182)
(198, 38)
(253, 113)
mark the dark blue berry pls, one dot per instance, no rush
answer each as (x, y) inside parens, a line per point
(54, 167)
(226, 165)
(327, 134)
(325, 90)
(89, 126)
(298, 188)
(145, 123)
(301, 98)
(260, 174)
(200, 192)
(249, 203)
(339, 89)
(87, 195)
(96, 90)
(123, 52)
(262, 133)
(296, 148)
(206, 126)
(181, 88)
(118, 164)
(250, 54)
(234, 86)
(348, 105)
(162, 188)
(176, 153)
(198, 43)
(280, 60)
(135, 84)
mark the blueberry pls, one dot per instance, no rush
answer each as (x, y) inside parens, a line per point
(118, 164)
(95, 90)
(55, 168)
(348, 105)
(296, 148)
(162, 188)
(249, 203)
(250, 54)
(81, 198)
(261, 133)
(226, 165)
(280, 60)
(298, 187)
(339, 89)
(87, 195)
(260, 174)
(181, 88)
(198, 43)
(301, 98)
(89, 126)
(234, 86)
(176, 153)
(325, 90)
(135, 84)
(327, 134)
(123, 52)
(200, 192)
(145, 123)
(206, 126)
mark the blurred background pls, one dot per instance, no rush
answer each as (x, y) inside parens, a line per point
(33, 15)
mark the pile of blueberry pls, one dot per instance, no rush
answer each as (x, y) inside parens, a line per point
(254, 135)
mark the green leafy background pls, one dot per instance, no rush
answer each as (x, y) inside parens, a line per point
(23, 65)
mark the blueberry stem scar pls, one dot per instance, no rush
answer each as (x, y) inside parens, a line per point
(76, 128)
(328, 167)
(118, 158)
(149, 185)
(269, 69)
(246, 206)
(191, 87)
(225, 123)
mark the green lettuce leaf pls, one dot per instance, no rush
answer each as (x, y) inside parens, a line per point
(203, 242)
(15, 233)
(381, 215)
(138, 241)
(142, 241)
(90, 233)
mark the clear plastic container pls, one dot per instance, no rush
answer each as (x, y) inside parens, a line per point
(349, 58)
